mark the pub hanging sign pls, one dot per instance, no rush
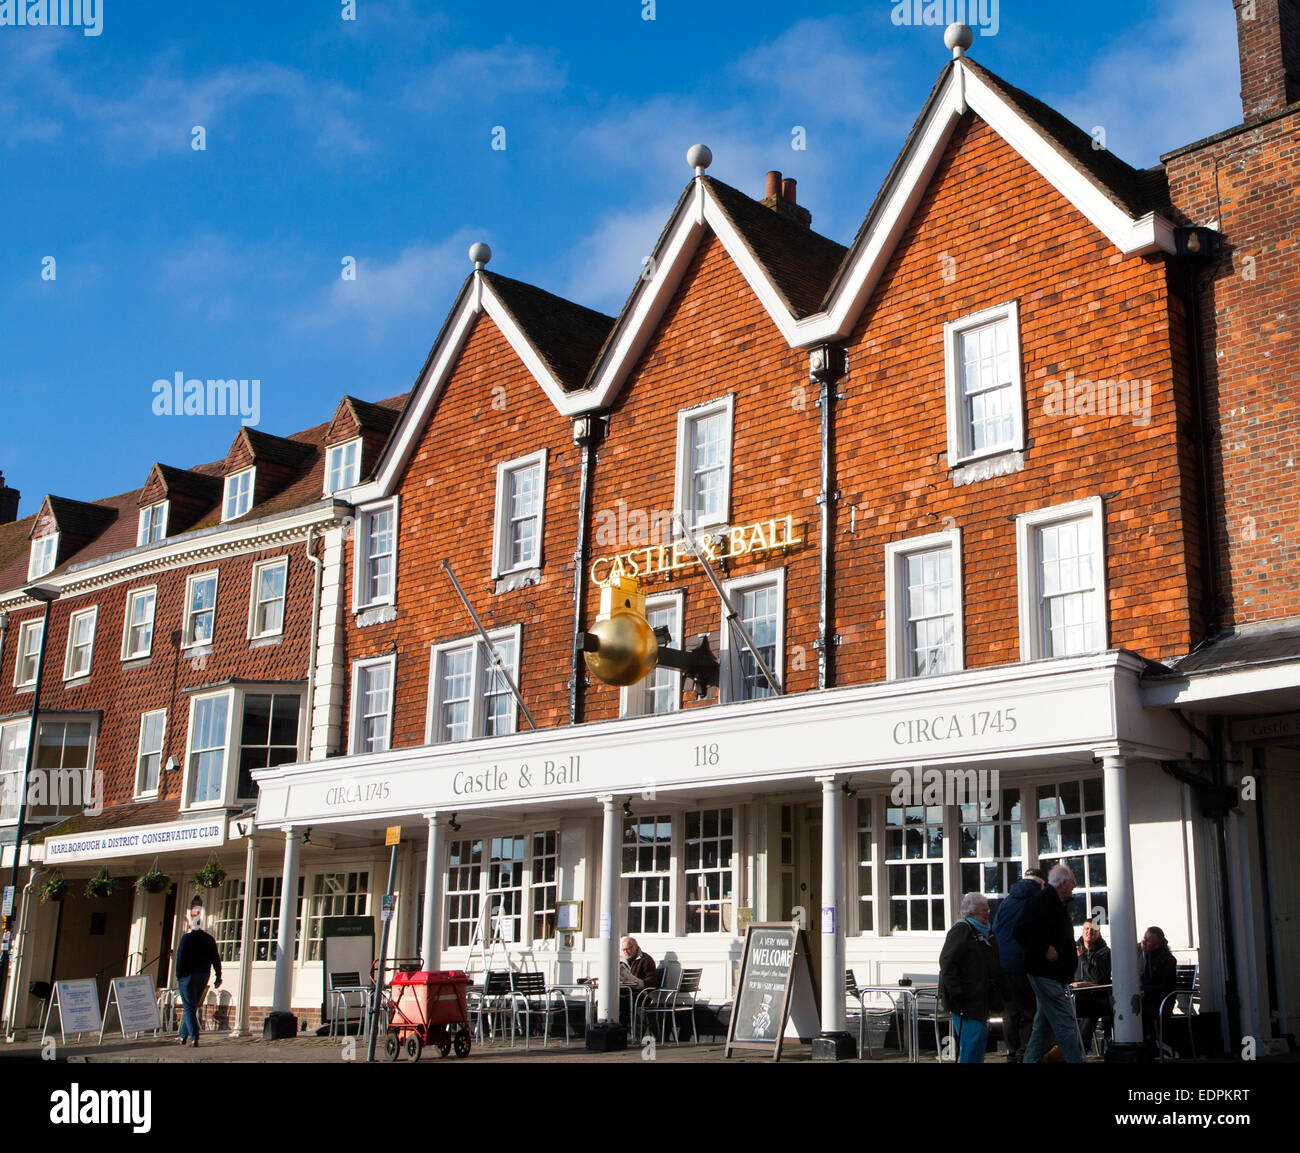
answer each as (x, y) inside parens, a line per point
(764, 536)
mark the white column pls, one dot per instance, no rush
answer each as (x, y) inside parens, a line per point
(246, 938)
(288, 912)
(832, 927)
(1122, 909)
(431, 944)
(607, 969)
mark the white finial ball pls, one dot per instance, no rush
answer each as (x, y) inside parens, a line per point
(958, 37)
(480, 254)
(699, 157)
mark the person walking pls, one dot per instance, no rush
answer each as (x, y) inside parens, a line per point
(1021, 1005)
(196, 957)
(1047, 936)
(971, 978)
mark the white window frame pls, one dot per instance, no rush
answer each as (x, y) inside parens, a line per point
(897, 553)
(44, 557)
(683, 501)
(26, 630)
(361, 559)
(11, 779)
(501, 564)
(141, 753)
(150, 590)
(153, 520)
(187, 637)
(228, 795)
(959, 450)
(354, 728)
(332, 455)
(1033, 644)
(230, 490)
(481, 667)
(732, 648)
(254, 603)
(634, 699)
(69, 673)
(674, 876)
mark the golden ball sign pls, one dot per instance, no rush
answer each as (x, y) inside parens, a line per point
(628, 648)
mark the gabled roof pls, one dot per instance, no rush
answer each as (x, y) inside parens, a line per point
(800, 263)
(373, 417)
(813, 289)
(187, 482)
(275, 449)
(565, 335)
(76, 518)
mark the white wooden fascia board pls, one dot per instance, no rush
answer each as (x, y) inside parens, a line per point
(500, 315)
(210, 545)
(950, 690)
(869, 263)
(1111, 220)
(652, 299)
(1198, 688)
(413, 420)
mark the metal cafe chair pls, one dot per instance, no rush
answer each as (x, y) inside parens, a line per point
(345, 990)
(1100, 1033)
(529, 998)
(670, 977)
(490, 1002)
(1187, 997)
(679, 1000)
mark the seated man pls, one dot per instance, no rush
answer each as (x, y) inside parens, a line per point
(1093, 968)
(636, 971)
(1157, 975)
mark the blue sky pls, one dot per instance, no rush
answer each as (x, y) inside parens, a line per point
(372, 139)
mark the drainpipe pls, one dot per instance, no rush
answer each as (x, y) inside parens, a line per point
(4, 633)
(20, 955)
(318, 568)
(827, 364)
(587, 431)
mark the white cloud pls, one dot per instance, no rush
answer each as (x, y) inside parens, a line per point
(602, 269)
(502, 70)
(415, 287)
(1171, 80)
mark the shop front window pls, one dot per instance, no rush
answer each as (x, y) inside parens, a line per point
(914, 868)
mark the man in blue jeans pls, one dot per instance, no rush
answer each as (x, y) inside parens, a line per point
(970, 977)
(196, 957)
(1047, 935)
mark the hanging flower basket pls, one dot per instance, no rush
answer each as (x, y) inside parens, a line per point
(55, 889)
(101, 884)
(211, 875)
(153, 881)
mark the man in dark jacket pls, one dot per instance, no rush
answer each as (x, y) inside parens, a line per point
(970, 977)
(196, 957)
(1018, 1012)
(1047, 936)
(1157, 976)
(1093, 968)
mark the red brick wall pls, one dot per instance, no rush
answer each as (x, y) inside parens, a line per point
(447, 498)
(1250, 310)
(715, 339)
(1003, 233)
(123, 693)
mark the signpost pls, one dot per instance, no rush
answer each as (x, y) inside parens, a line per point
(393, 839)
(136, 1002)
(776, 986)
(77, 1003)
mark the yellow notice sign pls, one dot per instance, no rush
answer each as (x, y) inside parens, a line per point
(393, 835)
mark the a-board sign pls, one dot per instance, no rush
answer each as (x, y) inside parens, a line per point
(775, 986)
(77, 1004)
(136, 1001)
(348, 946)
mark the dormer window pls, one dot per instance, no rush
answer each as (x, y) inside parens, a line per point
(342, 466)
(45, 553)
(239, 494)
(153, 524)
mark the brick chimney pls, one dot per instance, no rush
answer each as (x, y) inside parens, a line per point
(8, 502)
(780, 198)
(1268, 43)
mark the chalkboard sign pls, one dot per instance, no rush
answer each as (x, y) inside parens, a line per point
(775, 984)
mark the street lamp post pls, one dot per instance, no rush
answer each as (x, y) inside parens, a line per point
(46, 594)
